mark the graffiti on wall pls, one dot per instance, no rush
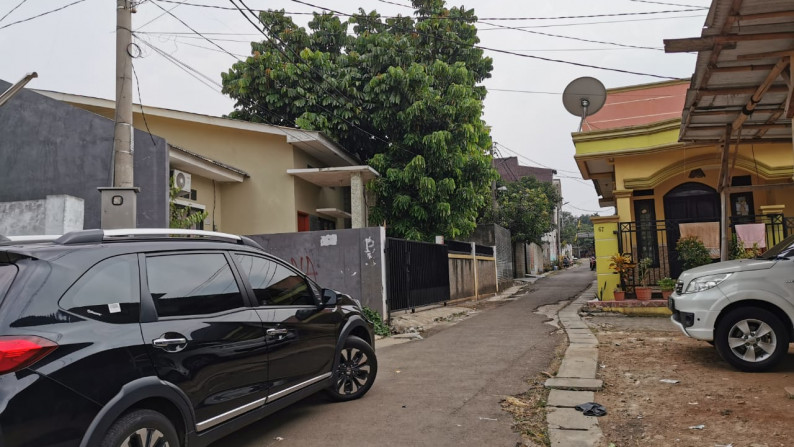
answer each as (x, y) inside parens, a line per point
(305, 265)
(369, 250)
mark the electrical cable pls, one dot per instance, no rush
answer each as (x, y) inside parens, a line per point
(578, 64)
(191, 29)
(161, 14)
(669, 4)
(606, 22)
(41, 15)
(140, 102)
(540, 33)
(12, 10)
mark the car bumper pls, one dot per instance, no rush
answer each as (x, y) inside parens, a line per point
(696, 313)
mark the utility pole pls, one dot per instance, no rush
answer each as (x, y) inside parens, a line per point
(119, 207)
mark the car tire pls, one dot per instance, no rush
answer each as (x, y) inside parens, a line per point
(355, 372)
(145, 428)
(739, 343)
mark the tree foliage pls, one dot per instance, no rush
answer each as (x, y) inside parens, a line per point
(400, 92)
(181, 216)
(526, 208)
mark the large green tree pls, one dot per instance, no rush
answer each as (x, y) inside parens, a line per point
(526, 208)
(400, 92)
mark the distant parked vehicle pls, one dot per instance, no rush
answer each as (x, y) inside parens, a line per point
(745, 307)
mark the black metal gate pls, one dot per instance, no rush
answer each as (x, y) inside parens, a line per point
(417, 274)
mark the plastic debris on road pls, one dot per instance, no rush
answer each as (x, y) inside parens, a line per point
(697, 427)
(673, 381)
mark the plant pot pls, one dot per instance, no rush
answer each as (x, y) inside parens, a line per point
(666, 293)
(619, 296)
(643, 293)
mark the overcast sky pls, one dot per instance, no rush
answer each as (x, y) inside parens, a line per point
(73, 51)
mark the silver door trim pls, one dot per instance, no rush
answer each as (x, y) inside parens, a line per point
(221, 418)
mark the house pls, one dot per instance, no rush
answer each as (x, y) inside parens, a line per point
(722, 167)
(531, 259)
(250, 178)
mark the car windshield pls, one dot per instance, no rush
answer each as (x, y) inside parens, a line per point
(782, 249)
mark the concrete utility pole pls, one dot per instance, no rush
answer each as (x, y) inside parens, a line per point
(119, 208)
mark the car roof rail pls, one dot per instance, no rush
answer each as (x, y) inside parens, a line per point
(89, 236)
(28, 239)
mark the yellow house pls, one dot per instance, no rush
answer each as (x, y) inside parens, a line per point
(252, 178)
(661, 187)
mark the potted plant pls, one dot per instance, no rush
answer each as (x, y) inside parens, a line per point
(643, 269)
(667, 285)
(620, 264)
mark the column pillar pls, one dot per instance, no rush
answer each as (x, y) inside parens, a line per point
(357, 209)
(605, 234)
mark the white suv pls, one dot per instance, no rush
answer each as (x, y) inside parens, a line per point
(744, 307)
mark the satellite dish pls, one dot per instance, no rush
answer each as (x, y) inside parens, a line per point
(583, 97)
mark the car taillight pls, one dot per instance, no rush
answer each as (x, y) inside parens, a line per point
(17, 352)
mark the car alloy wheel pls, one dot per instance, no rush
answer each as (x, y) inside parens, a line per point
(141, 428)
(355, 371)
(146, 437)
(751, 339)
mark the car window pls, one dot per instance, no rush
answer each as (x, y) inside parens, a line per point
(192, 284)
(275, 284)
(108, 291)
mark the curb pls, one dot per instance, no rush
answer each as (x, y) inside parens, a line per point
(575, 382)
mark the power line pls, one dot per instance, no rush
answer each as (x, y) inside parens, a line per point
(41, 15)
(140, 101)
(540, 33)
(557, 25)
(531, 160)
(191, 29)
(669, 4)
(12, 10)
(161, 14)
(578, 64)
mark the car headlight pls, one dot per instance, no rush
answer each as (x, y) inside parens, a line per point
(706, 282)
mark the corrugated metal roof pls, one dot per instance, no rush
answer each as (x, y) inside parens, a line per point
(740, 44)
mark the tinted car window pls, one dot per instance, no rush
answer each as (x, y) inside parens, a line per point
(7, 274)
(192, 284)
(109, 291)
(275, 284)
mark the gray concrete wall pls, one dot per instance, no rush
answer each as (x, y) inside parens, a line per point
(350, 261)
(51, 148)
(461, 278)
(498, 236)
(53, 215)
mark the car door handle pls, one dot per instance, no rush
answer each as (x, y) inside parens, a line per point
(166, 342)
(276, 332)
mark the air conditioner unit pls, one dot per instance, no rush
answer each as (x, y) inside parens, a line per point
(182, 181)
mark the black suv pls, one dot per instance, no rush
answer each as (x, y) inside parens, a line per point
(165, 337)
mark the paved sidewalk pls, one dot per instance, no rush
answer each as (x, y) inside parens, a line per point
(575, 382)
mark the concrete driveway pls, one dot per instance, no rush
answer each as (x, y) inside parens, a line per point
(444, 390)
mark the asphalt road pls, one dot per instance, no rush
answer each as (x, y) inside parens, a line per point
(441, 391)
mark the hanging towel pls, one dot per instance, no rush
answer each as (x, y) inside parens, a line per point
(750, 234)
(707, 232)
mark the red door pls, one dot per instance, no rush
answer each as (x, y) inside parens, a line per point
(303, 221)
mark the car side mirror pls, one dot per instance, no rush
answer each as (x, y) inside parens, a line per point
(330, 298)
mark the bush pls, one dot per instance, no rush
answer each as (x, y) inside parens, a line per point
(667, 283)
(381, 328)
(692, 253)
